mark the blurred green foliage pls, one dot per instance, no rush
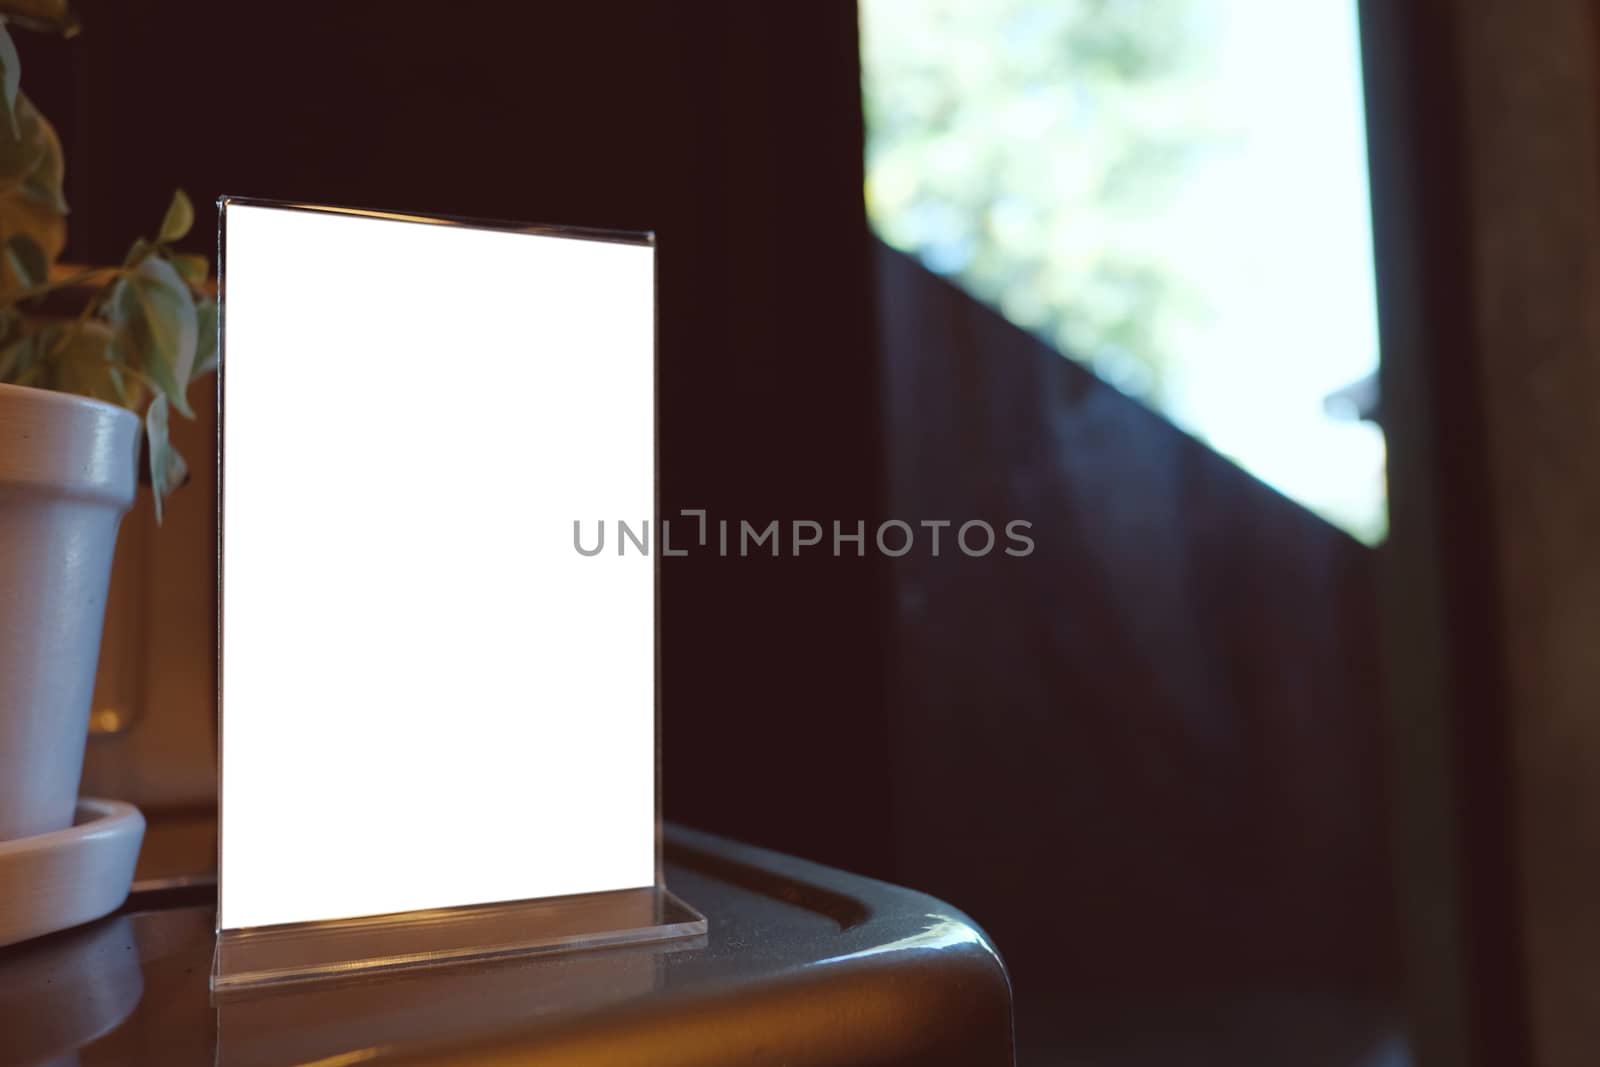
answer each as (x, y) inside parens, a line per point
(1017, 144)
(138, 333)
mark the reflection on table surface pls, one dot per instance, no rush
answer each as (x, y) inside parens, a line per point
(801, 962)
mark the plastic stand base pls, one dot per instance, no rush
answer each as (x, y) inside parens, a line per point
(299, 952)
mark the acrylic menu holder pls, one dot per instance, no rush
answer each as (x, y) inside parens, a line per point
(437, 720)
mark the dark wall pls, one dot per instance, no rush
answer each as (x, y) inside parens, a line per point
(1154, 743)
(732, 130)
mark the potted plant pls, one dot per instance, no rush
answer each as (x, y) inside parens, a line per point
(93, 361)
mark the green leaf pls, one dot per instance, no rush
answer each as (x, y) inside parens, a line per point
(21, 145)
(68, 357)
(155, 313)
(30, 159)
(178, 220)
(138, 252)
(81, 361)
(10, 325)
(54, 16)
(42, 185)
(194, 269)
(205, 357)
(30, 181)
(17, 358)
(26, 260)
(10, 77)
(167, 468)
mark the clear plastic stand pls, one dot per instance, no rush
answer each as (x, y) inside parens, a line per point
(447, 753)
(300, 952)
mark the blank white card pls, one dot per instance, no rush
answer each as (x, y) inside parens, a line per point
(430, 698)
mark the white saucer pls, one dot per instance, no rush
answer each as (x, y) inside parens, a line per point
(49, 882)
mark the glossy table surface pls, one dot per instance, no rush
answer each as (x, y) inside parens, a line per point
(802, 964)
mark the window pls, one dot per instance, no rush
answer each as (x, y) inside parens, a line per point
(1172, 192)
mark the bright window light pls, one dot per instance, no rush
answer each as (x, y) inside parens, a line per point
(1174, 193)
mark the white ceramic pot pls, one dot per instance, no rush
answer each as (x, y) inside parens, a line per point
(68, 472)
